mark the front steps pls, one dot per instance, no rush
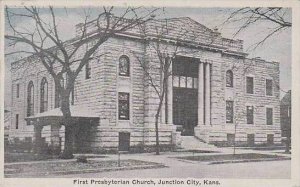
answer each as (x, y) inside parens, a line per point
(193, 143)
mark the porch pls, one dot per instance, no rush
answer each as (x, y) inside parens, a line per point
(82, 121)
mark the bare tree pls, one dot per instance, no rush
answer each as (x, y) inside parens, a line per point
(278, 17)
(240, 116)
(164, 50)
(60, 59)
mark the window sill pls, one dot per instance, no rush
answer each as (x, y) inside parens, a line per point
(124, 76)
(123, 120)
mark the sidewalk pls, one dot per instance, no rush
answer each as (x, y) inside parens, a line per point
(196, 169)
(170, 160)
(164, 157)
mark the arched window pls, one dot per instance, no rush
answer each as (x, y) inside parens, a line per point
(30, 99)
(124, 65)
(44, 95)
(229, 78)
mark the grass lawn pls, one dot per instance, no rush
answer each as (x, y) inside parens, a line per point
(25, 157)
(196, 151)
(244, 156)
(265, 148)
(28, 157)
(50, 168)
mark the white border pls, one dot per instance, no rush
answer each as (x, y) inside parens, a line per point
(294, 181)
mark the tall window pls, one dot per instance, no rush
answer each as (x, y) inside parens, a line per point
(269, 87)
(87, 71)
(30, 99)
(123, 106)
(124, 65)
(44, 95)
(185, 72)
(269, 114)
(18, 90)
(249, 85)
(250, 115)
(229, 78)
(229, 111)
(17, 121)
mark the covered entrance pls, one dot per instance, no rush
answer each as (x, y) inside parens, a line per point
(82, 118)
(185, 94)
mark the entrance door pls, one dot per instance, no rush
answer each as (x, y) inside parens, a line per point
(185, 93)
(185, 108)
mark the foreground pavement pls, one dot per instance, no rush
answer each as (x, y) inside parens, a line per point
(280, 169)
(250, 170)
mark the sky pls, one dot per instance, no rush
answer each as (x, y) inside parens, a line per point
(277, 48)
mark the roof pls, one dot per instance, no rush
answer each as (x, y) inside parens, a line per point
(182, 28)
(76, 111)
(185, 28)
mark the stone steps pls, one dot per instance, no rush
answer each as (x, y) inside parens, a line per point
(193, 143)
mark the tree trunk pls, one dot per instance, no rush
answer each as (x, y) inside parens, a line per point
(69, 127)
(156, 125)
(234, 144)
(156, 135)
(68, 149)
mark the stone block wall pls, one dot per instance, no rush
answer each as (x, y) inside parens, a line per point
(260, 70)
(100, 93)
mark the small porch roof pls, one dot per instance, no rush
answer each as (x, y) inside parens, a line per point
(77, 112)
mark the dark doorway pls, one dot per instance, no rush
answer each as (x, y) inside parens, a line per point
(185, 108)
(185, 94)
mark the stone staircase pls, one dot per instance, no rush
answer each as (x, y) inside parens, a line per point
(193, 143)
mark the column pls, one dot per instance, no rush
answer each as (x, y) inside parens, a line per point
(37, 138)
(207, 94)
(170, 96)
(55, 139)
(163, 111)
(200, 95)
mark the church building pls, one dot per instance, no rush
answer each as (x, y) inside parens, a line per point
(215, 94)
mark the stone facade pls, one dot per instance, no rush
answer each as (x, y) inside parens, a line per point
(100, 93)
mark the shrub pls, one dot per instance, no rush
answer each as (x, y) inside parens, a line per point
(82, 159)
